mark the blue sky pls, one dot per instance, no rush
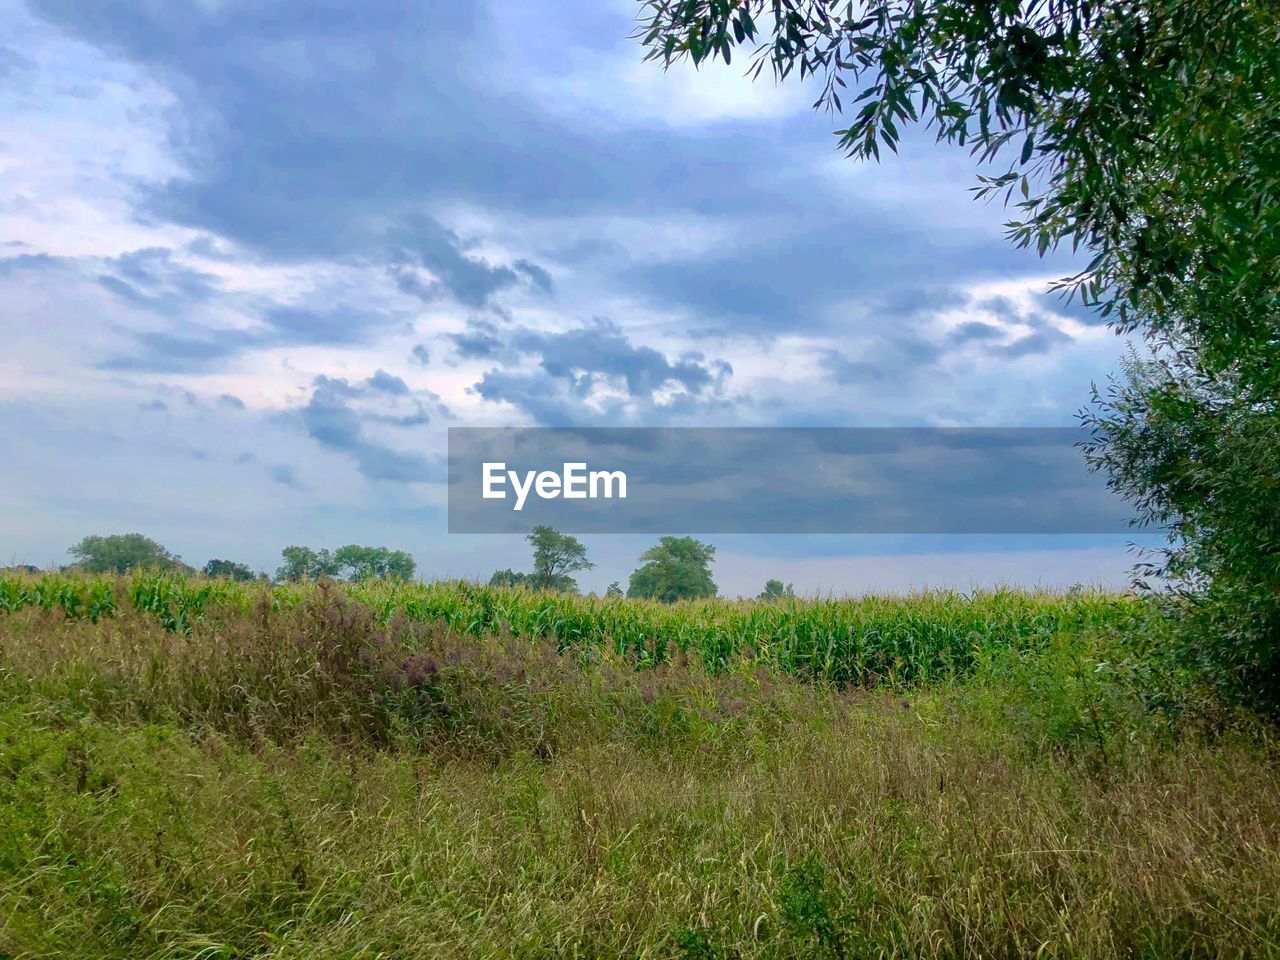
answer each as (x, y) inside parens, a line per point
(255, 259)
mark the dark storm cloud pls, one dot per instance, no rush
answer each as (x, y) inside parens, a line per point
(975, 330)
(336, 424)
(387, 383)
(471, 280)
(477, 342)
(1040, 341)
(602, 350)
(574, 363)
(896, 359)
(336, 418)
(314, 131)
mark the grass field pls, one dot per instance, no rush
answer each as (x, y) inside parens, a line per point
(197, 769)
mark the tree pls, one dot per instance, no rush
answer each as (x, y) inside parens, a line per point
(303, 563)
(228, 570)
(366, 563)
(676, 568)
(776, 590)
(121, 553)
(508, 578)
(354, 561)
(555, 556)
(1142, 131)
(614, 590)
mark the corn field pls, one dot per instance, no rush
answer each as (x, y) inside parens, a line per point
(863, 641)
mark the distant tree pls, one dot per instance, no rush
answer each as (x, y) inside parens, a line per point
(298, 564)
(228, 570)
(777, 590)
(676, 568)
(615, 590)
(303, 563)
(556, 555)
(20, 568)
(352, 561)
(121, 553)
(508, 578)
(400, 566)
(373, 563)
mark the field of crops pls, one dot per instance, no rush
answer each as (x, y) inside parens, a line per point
(899, 640)
(196, 768)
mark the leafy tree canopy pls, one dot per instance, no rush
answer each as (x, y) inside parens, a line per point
(508, 578)
(353, 561)
(777, 590)
(228, 569)
(123, 552)
(676, 568)
(556, 555)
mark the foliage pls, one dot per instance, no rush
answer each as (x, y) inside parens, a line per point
(228, 569)
(302, 775)
(614, 589)
(869, 641)
(508, 578)
(555, 556)
(353, 561)
(364, 563)
(777, 590)
(303, 563)
(676, 568)
(1146, 133)
(121, 553)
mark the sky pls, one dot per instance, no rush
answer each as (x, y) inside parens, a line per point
(255, 259)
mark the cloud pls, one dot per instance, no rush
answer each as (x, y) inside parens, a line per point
(207, 327)
(164, 352)
(479, 341)
(895, 359)
(975, 330)
(339, 415)
(1041, 341)
(151, 278)
(595, 371)
(285, 476)
(471, 280)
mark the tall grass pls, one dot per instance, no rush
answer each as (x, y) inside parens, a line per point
(295, 773)
(866, 641)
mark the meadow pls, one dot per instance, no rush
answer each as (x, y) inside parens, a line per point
(194, 768)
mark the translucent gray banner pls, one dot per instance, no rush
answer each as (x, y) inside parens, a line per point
(777, 480)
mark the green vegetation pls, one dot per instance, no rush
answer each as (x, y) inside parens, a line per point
(777, 590)
(352, 561)
(865, 641)
(229, 570)
(381, 769)
(556, 555)
(121, 553)
(676, 568)
(1145, 133)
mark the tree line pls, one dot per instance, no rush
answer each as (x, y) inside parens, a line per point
(675, 568)
(127, 552)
